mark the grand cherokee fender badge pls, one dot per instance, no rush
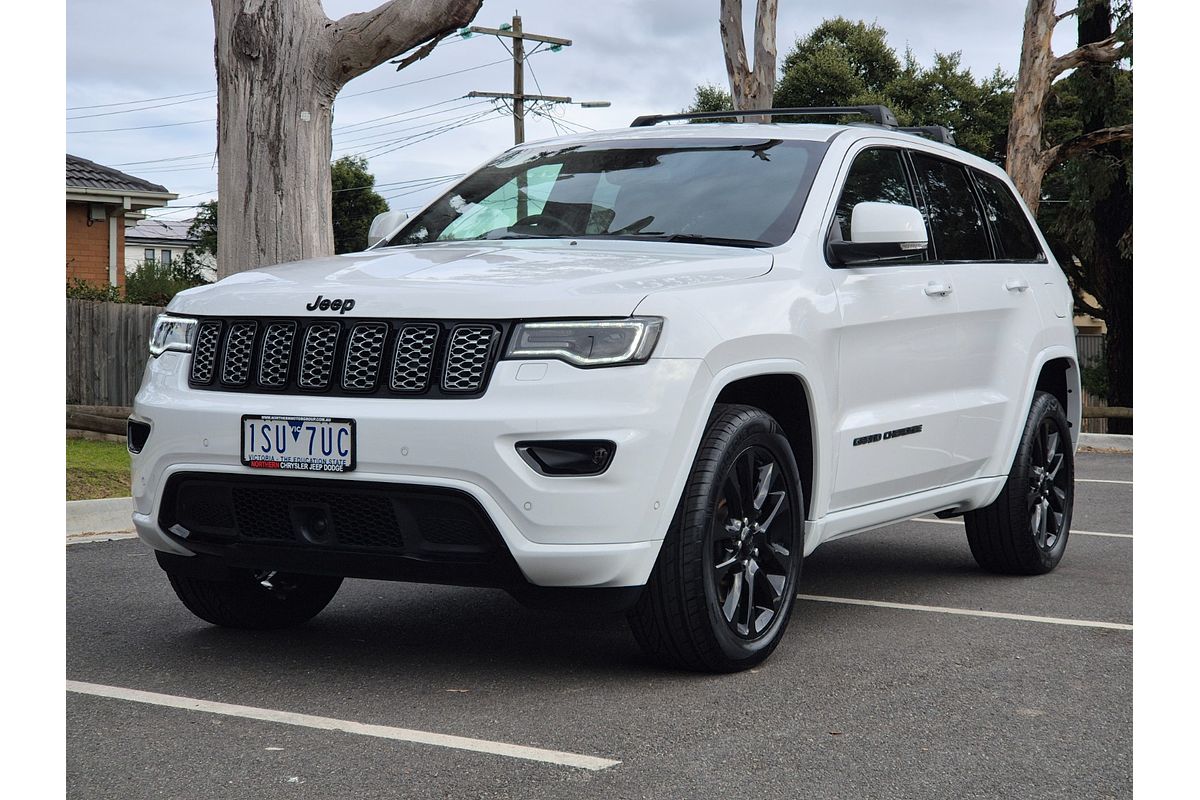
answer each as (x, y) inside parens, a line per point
(324, 304)
(879, 437)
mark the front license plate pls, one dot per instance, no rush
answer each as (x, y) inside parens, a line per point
(303, 444)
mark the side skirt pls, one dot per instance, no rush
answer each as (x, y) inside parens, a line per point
(956, 498)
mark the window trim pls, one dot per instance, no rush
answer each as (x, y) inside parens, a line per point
(1041, 258)
(979, 208)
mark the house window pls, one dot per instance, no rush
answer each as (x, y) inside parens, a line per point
(166, 258)
(149, 256)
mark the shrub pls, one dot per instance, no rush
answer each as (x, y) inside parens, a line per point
(154, 284)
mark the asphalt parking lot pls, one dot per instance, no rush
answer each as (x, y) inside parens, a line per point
(906, 673)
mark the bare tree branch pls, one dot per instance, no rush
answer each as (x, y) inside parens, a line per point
(424, 51)
(1081, 144)
(362, 40)
(1084, 307)
(1105, 52)
(1060, 17)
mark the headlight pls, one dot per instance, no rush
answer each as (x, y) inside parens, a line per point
(172, 333)
(588, 343)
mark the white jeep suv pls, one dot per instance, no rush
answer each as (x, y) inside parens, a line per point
(647, 369)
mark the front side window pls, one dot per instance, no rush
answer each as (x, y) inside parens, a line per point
(876, 176)
(954, 217)
(1015, 240)
(740, 192)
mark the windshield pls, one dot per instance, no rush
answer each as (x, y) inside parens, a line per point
(740, 192)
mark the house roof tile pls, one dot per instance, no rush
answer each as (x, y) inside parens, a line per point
(86, 174)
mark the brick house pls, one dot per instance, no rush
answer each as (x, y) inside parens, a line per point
(101, 202)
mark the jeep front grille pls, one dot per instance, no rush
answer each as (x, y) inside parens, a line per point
(412, 358)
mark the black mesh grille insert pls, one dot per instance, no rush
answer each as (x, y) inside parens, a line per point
(412, 358)
(204, 359)
(364, 354)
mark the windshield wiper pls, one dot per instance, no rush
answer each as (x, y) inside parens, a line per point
(697, 238)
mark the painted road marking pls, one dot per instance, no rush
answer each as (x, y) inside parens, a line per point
(967, 612)
(1099, 480)
(345, 726)
(99, 537)
(1073, 531)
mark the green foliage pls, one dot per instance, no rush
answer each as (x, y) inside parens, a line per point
(711, 98)
(1094, 375)
(154, 284)
(79, 289)
(204, 228)
(850, 63)
(355, 204)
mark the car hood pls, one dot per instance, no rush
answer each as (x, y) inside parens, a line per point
(478, 280)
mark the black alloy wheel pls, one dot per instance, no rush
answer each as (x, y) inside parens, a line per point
(751, 568)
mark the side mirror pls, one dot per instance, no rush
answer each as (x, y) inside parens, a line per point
(881, 232)
(385, 225)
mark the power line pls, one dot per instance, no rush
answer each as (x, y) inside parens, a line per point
(132, 102)
(144, 108)
(423, 80)
(142, 127)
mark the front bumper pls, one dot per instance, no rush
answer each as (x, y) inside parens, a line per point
(595, 531)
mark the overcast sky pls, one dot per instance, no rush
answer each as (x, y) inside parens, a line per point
(644, 56)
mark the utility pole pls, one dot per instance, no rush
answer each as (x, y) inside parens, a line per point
(518, 96)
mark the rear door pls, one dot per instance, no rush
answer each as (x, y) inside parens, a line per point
(897, 407)
(1000, 322)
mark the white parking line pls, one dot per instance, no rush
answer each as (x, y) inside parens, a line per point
(99, 537)
(1073, 531)
(967, 612)
(1099, 480)
(345, 726)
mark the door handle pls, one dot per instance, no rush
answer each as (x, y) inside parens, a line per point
(935, 289)
(1016, 285)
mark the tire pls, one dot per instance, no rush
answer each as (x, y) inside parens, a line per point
(688, 616)
(1025, 531)
(256, 600)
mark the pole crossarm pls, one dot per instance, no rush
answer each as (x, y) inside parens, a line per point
(533, 37)
(544, 98)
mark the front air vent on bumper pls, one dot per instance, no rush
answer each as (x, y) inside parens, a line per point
(410, 358)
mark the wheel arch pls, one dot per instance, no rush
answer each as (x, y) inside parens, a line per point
(1055, 370)
(787, 397)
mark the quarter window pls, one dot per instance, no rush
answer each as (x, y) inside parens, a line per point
(1015, 240)
(876, 176)
(954, 217)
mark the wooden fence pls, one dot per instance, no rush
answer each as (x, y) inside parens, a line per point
(106, 351)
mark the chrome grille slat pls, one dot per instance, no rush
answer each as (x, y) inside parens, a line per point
(364, 355)
(413, 362)
(275, 357)
(467, 357)
(204, 357)
(320, 349)
(239, 352)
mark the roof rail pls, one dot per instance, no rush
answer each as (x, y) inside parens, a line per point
(938, 133)
(880, 115)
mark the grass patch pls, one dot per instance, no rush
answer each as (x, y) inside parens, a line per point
(97, 469)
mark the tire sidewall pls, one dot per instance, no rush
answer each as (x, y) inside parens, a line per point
(1045, 406)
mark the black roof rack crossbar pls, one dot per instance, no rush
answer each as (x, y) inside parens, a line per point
(938, 133)
(880, 115)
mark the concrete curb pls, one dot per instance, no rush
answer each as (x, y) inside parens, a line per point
(1115, 442)
(112, 515)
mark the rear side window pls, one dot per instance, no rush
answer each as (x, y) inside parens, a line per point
(954, 217)
(876, 176)
(1015, 240)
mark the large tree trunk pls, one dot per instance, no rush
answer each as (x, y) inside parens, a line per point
(1111, 216)
(280, 63)
(1028, 158)
(750, 87)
